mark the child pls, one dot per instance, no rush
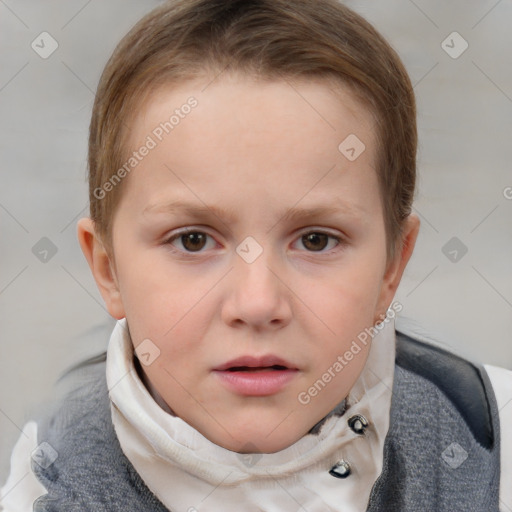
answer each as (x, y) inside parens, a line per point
(252, 367)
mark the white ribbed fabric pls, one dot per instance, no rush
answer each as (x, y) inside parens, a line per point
(501, 380)
(187, 472)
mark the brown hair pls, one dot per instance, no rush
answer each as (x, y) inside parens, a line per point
(271, 38)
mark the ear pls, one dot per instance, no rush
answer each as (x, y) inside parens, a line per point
(101, 267)
(396, 267)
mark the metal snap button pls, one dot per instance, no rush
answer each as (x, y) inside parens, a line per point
(341, 469)
(358, 423)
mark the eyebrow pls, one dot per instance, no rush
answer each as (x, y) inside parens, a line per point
(229, 214)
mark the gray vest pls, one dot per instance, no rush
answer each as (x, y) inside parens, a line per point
(442, 451)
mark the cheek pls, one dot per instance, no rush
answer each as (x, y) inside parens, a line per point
(349, 294)
(176, 320)
(154, 297)
(346, 304)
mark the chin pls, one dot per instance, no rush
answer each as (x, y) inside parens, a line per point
(260, 445)
(271, 439)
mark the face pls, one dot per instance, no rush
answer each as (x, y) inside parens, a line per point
(251, 251)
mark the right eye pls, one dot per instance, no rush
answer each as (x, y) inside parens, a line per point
(190, 241)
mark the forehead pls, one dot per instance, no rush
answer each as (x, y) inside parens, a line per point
(285, 139)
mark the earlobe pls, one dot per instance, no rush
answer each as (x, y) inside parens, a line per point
(101, 267)
(396, 267)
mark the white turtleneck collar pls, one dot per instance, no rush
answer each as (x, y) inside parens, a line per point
(187, 472)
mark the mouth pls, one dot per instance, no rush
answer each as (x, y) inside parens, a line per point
(275, 367)
(254, 364)
(256, 376)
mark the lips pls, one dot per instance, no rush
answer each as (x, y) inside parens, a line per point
(256, 376)
(256, 369)
(254, 364)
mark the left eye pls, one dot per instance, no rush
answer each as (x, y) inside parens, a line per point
(318, 241)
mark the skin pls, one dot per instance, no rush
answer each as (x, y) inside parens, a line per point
(255, 148)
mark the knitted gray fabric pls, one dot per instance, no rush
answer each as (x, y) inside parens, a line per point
(415, 476)
(438, 455)
(91, 473)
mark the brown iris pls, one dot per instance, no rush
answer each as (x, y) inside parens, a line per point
(315, 241)
(194, 241)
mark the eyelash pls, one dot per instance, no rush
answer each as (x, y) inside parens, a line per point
(339, 241)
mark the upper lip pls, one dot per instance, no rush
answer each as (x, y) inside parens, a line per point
(256, 362)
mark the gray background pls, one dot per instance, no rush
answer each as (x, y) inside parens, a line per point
(51, 312)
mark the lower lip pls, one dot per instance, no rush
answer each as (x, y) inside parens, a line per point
(260, 383)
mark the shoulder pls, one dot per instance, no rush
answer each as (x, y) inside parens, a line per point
(22, 487)
(481, 393)
(464, 383)
(77, 394)
(443, 417)
(80, 384)
(80, 405)
(502, 384)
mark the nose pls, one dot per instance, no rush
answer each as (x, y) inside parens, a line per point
(257, 294)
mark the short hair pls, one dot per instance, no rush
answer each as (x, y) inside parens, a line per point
(311, 39)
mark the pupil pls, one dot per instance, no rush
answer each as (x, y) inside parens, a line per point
(193, 241)
(311, 240)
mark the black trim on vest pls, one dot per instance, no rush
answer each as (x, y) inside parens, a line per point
(459, 379)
